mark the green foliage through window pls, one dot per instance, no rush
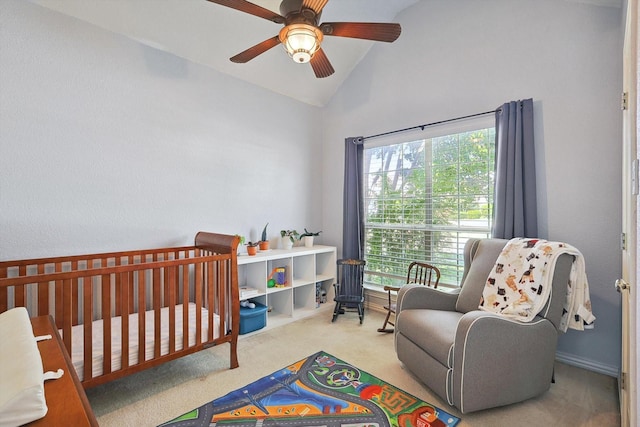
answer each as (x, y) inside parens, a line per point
(423, 199)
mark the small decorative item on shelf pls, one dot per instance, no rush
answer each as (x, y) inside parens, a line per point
(252, 248)
(280, 280)
(248, 292)
(241, 244)
(281, 277)
(288, 237)
(264, 242)
(307, 237)
(247, 304)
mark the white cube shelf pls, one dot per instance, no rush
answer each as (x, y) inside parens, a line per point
(308, 270)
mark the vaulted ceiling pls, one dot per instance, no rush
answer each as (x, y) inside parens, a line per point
(209, 34)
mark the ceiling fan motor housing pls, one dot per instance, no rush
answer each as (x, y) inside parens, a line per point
(288, 7)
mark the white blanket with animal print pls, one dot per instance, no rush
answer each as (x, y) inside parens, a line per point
(519, 285)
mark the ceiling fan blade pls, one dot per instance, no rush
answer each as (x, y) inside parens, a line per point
(252, 9)
(256, 50)
(321, 65)
(315, 5)
(381, 32)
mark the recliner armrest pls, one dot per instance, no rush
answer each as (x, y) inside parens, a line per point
(422, 297)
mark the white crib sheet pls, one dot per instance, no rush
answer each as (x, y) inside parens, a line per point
(77, 356)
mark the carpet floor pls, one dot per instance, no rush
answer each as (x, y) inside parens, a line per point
(149, 398)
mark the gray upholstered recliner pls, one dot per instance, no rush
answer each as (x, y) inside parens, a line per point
(474, 359)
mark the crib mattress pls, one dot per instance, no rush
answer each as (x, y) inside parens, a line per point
(77, 356)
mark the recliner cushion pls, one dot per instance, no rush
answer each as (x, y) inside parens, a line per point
(481, 265)
(432, 330)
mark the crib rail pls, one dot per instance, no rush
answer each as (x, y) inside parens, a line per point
(78, 290)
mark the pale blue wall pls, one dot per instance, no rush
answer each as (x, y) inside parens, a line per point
(107, 144)
(462, 57)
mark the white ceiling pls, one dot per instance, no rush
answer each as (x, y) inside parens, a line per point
(209, 34)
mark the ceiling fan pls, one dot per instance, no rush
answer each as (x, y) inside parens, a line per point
(302, 34)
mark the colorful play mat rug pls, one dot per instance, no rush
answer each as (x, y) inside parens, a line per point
(320, 390)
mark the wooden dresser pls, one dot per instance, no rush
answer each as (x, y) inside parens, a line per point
(66, 400)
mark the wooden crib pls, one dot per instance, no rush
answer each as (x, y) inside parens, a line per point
(142, 307)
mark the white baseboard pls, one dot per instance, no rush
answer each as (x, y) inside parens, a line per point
(590, 365)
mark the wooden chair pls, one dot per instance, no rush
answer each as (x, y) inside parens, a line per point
(418, 272)
(349, 290)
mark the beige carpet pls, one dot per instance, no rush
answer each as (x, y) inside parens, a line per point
(578, 398)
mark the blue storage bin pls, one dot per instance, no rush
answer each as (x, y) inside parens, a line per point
(252, 319)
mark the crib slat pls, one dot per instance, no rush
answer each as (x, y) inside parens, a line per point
(105, 284)
(172, 307)
(118, 289)
(58, 304)
(87, 317)
(211, 307)
(142, 296)
(197, 278)
(132, 301)
(59, 299)
(67, 309)
(20, 291)
(222, 296)
(234, 305)
(185, 305)
(4, 292)
(166, 286)
(74, 292)
(157, 306)
(43, 294)
(124, 303)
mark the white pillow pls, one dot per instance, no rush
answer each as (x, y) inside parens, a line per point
(22, 397)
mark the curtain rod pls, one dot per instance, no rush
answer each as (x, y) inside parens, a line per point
(362, 139)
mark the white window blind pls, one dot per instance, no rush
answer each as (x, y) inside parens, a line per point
(424, 197)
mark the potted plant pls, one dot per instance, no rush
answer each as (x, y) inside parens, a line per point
(307, 236)
(288, 238)
(252, 248)
(241, 243)
(264, 242)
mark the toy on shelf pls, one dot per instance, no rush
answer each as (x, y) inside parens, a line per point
(280, 280)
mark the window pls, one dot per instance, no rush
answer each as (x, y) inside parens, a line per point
(424, 198)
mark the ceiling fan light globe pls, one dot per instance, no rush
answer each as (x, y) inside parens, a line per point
(301, 41)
